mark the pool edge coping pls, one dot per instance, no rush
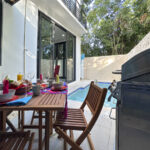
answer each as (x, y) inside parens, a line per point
(85, 87)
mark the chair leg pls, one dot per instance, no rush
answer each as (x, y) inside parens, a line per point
(31, 141)
(33, 114)
(90, 142)
(40, 130)
(67, 139)
(22, 120)
(71, 135)
(65, 144)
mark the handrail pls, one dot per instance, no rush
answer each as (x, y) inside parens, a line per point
(76, 8)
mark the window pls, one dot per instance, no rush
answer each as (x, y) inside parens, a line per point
(1, 22)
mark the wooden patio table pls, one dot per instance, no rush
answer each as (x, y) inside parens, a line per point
(43, 103)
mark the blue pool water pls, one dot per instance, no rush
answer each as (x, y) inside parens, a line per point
(80, 94)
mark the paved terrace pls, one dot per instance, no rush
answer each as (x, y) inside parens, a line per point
(103, 133)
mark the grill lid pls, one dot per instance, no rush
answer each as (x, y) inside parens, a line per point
(137, 66)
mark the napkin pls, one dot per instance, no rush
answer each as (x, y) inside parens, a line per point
(18, 102)
(5, 87)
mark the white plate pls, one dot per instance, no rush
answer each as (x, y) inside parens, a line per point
(6, 97)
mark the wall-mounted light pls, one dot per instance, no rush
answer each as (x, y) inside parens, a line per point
(11, 2)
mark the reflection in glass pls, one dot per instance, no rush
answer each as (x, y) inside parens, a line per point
(60, 50)
(47, 47)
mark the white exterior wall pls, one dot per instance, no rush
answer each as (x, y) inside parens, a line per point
(57, 11)
(101, 67)
(78, 57)
(31, 38)
(13, 39)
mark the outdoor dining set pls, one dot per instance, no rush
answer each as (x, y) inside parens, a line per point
(49, 105)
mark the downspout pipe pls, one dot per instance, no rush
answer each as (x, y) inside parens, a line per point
(25, 16)
(1, 24)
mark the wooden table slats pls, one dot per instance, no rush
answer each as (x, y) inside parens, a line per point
(46, 101)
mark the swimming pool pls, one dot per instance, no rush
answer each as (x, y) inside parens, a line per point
(80, 94)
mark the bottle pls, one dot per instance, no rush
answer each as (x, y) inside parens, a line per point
(41, 77)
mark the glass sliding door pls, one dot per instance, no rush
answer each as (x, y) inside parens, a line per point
(56, 46)
(46, 46)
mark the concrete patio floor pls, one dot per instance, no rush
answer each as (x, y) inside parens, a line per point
(102, 134)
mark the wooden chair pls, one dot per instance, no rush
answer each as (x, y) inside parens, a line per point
(16, 140)
(76, 120)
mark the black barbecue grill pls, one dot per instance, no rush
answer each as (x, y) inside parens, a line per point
(133, 105)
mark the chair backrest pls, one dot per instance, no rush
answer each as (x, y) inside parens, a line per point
(94, 100)
(95, 96)
(56, 71)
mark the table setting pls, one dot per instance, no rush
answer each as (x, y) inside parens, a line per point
(21, 91)
(14, 92)
(40, 96)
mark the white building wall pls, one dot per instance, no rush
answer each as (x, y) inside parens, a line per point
(13, 39)
(78, 57)
(31, 38)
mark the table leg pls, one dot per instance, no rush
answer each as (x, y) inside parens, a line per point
(51, 122)
(19, 119)
(22, 120)
(3, 120)
(47, 129)
(40, 130)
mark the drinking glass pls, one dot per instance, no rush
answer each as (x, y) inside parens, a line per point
(31, 76)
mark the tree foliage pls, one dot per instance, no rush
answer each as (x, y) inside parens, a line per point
(115, 26)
